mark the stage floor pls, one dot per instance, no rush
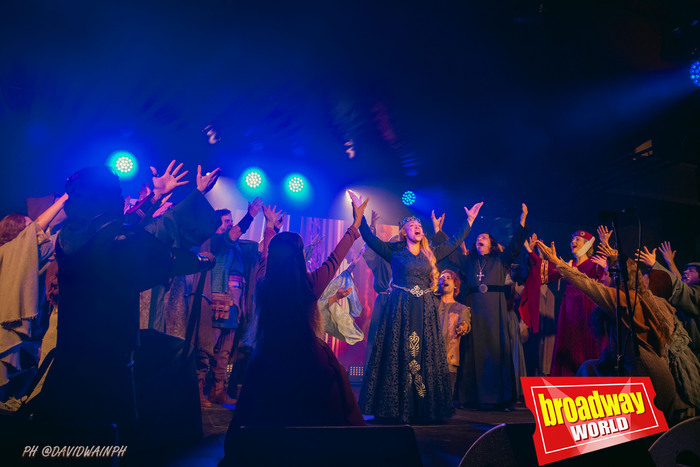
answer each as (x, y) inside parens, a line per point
(439, 445)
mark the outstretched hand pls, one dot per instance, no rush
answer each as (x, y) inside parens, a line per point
(606, 250)
(667, 252)
(206, 182)
(375, 218)
(166, 183)
(550, 253)
(523, 214)
(254, 207)
(358, 208)
(600, 260)
(604, 234)
(647, 257)
(473, 212)
(438, 222)
(271, 214)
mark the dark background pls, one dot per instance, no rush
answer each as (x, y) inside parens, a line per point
(460, 101)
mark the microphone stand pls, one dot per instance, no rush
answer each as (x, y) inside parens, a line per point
(621, 275)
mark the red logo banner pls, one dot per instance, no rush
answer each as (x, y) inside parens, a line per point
(578, 415)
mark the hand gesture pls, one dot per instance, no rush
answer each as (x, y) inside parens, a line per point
(339, 295)
(523, 215)
(604, 234)
(473, 212)
(254, 207)
(607, 251)
(375, 218)
(437, 221)
(271, 214)
(145, 190)
(359, 254)
(206, 182)
(280, 221)
(647, 257)
(358, 208)
(549, 253)
(600, 260)
(530, 244)
(666, 251)
(164, 184)
(462, 328)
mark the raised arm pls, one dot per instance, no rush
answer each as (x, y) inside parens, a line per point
(669, 255)
(244, 224)
(512, 251)
(323, 275)
(601, 295)
(444, 250)
(45, 218)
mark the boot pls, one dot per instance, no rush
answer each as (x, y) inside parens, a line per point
(203, 400)
(218, 394)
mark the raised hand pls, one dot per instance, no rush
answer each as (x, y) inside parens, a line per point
(280, 221)
(254, 207)
(647, 257)
(473, 212)
(523, 215)
(668, 253)
(164, 184)
(358, 208)
(206, 182)
(271, 214)
(604, 234)
(375, 218)
(607, 251)
(437, 221)
(359, 254)
(550, 253)
(463, 247)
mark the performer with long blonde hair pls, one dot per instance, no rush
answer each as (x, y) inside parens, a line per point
(406, 375)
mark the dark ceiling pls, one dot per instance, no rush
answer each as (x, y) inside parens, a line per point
(506, 101)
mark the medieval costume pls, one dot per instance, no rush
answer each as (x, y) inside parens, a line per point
(487, 374)
(406, 375)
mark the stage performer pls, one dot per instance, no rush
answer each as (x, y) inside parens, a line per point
(294, 379)
(654, 324)
(573, 343)
(455, 321)
(406, 377)
(103, 266)
(487, 378)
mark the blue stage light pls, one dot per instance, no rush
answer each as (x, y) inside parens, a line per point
(695, 72)
(253, 181)
(408, 198)
(295, 184)
(123, 164)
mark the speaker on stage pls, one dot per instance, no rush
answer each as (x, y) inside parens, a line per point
(322, 446)
(508, 445)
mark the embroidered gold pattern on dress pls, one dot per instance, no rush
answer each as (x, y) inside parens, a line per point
(420, 387)
(544, 271)
(413, 340)
(414, 366)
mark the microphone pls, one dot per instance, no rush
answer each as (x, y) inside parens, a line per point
(606, 216)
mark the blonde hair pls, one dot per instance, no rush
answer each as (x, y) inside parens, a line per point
(428, 252)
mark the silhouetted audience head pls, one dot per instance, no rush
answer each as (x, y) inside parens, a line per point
(286, 303)
(93, 191)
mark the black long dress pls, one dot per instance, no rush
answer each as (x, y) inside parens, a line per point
(406, 376)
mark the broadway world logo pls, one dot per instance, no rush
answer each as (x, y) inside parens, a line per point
(579, 415)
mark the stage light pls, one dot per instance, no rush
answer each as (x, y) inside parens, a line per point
(253, 181)
(695, 72)
(123, 164)
(295, 184)
(408, 198)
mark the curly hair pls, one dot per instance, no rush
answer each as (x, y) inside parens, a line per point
(11, 226)
(455, 279)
